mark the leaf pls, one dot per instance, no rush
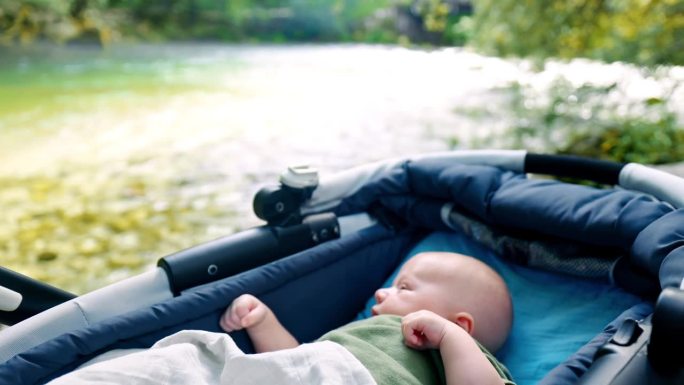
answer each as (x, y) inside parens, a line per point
(654, 101)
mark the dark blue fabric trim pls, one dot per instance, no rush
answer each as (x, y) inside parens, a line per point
(589, 215)
(660, 248)
(606, 217)
(416, 211)
(613, 218)
(394, 182)
(672, 269)
(470, 187)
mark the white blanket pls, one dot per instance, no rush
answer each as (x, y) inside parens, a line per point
(199, 357)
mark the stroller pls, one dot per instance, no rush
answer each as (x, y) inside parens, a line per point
(596, 274)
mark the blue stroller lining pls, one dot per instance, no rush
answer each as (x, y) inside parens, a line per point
(554, 314)
(538, 342)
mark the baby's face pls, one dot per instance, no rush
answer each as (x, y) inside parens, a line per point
(424, 283)
(458, 288)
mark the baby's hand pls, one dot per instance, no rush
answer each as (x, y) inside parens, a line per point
(424, 329)
(245, 312)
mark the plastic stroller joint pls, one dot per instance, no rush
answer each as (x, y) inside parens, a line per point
(280, 205)
(667, 337)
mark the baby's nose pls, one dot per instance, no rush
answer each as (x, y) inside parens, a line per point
(380, 295)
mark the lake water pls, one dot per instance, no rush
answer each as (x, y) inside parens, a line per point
(110, 159)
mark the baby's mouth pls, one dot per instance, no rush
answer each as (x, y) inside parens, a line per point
(374, 312)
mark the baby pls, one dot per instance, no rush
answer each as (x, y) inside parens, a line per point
(443, 301)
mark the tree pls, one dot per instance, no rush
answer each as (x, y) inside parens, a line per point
(641, 31)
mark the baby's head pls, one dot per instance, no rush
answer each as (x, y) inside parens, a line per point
(456, 287)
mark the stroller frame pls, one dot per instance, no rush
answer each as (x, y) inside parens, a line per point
(298, 218)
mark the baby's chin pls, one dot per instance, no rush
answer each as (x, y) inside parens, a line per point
(377, 310)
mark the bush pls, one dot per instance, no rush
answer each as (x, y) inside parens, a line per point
(639, 140)
(598, 121)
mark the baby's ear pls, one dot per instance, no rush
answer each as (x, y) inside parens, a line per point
(464, 320)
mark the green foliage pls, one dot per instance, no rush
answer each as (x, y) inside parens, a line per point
(438, 22)
(58, 20)
(639, 31)
(383, 21)
(595, 121)
(640, 140)
(236, 20)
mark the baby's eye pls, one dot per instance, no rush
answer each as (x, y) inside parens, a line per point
(402, 286)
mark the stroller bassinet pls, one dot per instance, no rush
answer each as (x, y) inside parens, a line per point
(346, 235)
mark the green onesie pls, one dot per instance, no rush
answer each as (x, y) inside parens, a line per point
(378, 343)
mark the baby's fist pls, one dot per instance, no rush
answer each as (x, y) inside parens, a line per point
(424, 329)
(245, 312)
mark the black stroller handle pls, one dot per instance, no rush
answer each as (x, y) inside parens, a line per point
(601, 171)
(245, 250)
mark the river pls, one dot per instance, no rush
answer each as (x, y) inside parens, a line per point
(110, 159)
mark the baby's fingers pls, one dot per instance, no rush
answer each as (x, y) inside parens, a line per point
(230, 321)
(253, 316)
(232, 317)
(423, 330)
(414, 339)
(413, 334)
(226, 323)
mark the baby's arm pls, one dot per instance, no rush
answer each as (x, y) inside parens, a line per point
(264, 329)
(464, 362)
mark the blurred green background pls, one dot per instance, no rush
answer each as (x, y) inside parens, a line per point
(132, 129)
(639, 31)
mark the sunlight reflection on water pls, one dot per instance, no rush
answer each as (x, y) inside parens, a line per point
(318, 98)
